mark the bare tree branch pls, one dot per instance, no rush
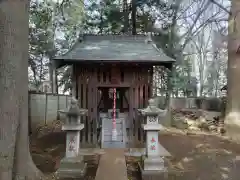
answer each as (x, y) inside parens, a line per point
(201, 26)
(189, 32)
(220, 6)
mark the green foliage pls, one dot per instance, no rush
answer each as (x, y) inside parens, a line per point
(65, 81)
(53, 28)
(107, 16)
(68, 18)
(103, 17)
(40, 42)
(183, 81)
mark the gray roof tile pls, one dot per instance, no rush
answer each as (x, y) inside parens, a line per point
(115, 48)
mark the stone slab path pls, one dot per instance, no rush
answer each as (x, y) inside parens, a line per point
(112, 165)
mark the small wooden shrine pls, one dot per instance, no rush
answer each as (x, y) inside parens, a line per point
(113, 68)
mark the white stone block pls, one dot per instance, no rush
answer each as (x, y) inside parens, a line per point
(72, 127)
(154, 164)
(72, 143)
(152, 127)
(152, 143)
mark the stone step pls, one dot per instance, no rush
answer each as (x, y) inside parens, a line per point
(106, 135)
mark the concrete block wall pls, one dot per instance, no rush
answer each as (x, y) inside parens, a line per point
(210, 104)
(43, 108)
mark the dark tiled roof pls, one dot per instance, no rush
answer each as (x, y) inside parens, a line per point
(115, 48)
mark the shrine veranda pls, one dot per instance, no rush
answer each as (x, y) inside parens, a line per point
(112, 77)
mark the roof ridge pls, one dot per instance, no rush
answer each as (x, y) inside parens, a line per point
(112, 33)
(137, 37)
(119, 34)
(147, 36)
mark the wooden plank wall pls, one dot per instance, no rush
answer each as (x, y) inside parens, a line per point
(88, 78)
(87, 97)
(82, 93)
(142, 78)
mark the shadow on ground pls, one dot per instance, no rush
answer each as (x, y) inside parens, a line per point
(48, 150)
(204, 157)
(194, 157)
(197, 157)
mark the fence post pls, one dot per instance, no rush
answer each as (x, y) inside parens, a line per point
(29, 114)
(66, 101)
(46, 107)
(58, 107)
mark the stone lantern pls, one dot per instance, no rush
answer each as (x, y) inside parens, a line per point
(72, 166)
(153, 160)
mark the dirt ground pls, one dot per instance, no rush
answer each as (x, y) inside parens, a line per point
(197, 157)
(48, 150)
(202, 157)
(194, 157)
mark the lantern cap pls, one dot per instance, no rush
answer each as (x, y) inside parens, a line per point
(74, 109)
(152, 109)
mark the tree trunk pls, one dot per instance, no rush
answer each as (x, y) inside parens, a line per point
(134, 17)
(233, 90)
(125, 14)
(56, 81)
(53, 76)
(15, 158)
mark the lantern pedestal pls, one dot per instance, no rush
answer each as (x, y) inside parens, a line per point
(153, 165)
(152, 160)
(72, 139)
(72, 166)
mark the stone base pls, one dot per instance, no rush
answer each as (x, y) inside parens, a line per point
(72, 168)
(138, 152)
(153, 174)
(154, 164)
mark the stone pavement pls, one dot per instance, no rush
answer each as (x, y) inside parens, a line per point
(112, 165)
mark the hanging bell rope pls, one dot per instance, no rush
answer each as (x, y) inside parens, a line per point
(114, 128)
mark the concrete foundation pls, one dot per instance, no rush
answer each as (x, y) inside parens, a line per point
(153, 174)
(154, 163)
(72, 168)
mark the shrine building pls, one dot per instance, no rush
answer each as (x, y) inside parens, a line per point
(112, 77)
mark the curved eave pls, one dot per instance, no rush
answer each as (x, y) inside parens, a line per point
(61, 62)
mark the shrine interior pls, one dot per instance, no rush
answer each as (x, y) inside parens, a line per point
(106, 99)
